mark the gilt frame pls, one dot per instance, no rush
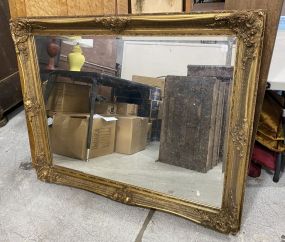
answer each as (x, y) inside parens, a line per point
(247, 26)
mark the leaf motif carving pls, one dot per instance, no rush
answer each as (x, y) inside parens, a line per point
(32, 107)
(21, 30)
(115, 24)
(247, 26)
(44, 169)
(240, 137)
(225, 221)
(122, 195)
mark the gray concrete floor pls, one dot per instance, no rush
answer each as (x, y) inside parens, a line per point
(31, 210)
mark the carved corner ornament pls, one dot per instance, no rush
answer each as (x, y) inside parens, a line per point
(115, 24)
(226, 220)
(44, 170)
(21, 30)
(247, 25)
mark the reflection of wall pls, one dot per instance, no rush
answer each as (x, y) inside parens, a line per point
(154, 59)
(277, 70)
(102, 54)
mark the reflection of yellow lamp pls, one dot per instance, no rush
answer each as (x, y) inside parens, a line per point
(75, 58)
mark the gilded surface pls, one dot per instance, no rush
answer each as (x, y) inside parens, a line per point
(116, 25)
(32, 107)
(240, 137)
(122, 195)
(247, 26)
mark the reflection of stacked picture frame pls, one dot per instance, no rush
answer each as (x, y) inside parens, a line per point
(188, 126)
(225, 75)
(201, 101)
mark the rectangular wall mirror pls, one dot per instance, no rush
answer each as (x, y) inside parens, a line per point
(150, 110)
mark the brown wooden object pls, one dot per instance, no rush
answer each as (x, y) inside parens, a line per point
(33, 8)
(10, 88)
(273, 8)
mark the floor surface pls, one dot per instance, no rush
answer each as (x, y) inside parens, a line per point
(31, 210)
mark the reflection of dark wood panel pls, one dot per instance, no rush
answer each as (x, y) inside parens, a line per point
(225, 75)
(218, 124)
(10, 89)
(187, 132)
(222, 72)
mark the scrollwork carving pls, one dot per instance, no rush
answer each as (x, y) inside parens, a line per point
(247, 26)
(21, 29)
(116, 25)
(122, 195)
(32, 107)
(240, 137)
(225, 221)
(44, 170)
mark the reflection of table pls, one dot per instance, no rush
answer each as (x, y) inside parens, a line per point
(93, 79)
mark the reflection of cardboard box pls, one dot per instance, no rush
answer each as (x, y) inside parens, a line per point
(151, 81)
(127, 109)
(69, 136)
(149, 125)
(106, 108)
(68, 97)
(131, 134)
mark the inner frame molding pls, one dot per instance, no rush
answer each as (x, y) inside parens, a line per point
(246, 26)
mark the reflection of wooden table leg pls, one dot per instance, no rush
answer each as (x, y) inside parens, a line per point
(49, 87)
(92, 111)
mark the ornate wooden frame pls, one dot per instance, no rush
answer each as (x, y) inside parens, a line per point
(247, 26)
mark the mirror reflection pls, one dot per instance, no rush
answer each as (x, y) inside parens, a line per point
(159, 108)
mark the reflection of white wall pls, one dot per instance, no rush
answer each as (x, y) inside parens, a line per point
(277, 67)
(155, 58)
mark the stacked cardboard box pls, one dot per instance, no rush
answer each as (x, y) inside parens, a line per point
(69, 105)
(131, 130)
(68, 136)
(127, 109)
(131, 135)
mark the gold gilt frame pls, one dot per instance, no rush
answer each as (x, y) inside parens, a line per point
(247, 26)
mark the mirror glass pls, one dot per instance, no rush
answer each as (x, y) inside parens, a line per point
(159, 109)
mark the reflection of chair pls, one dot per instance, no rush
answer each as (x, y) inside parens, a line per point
(269, 137)
(93, 79)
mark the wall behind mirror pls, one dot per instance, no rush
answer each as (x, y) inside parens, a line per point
(159, 108)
